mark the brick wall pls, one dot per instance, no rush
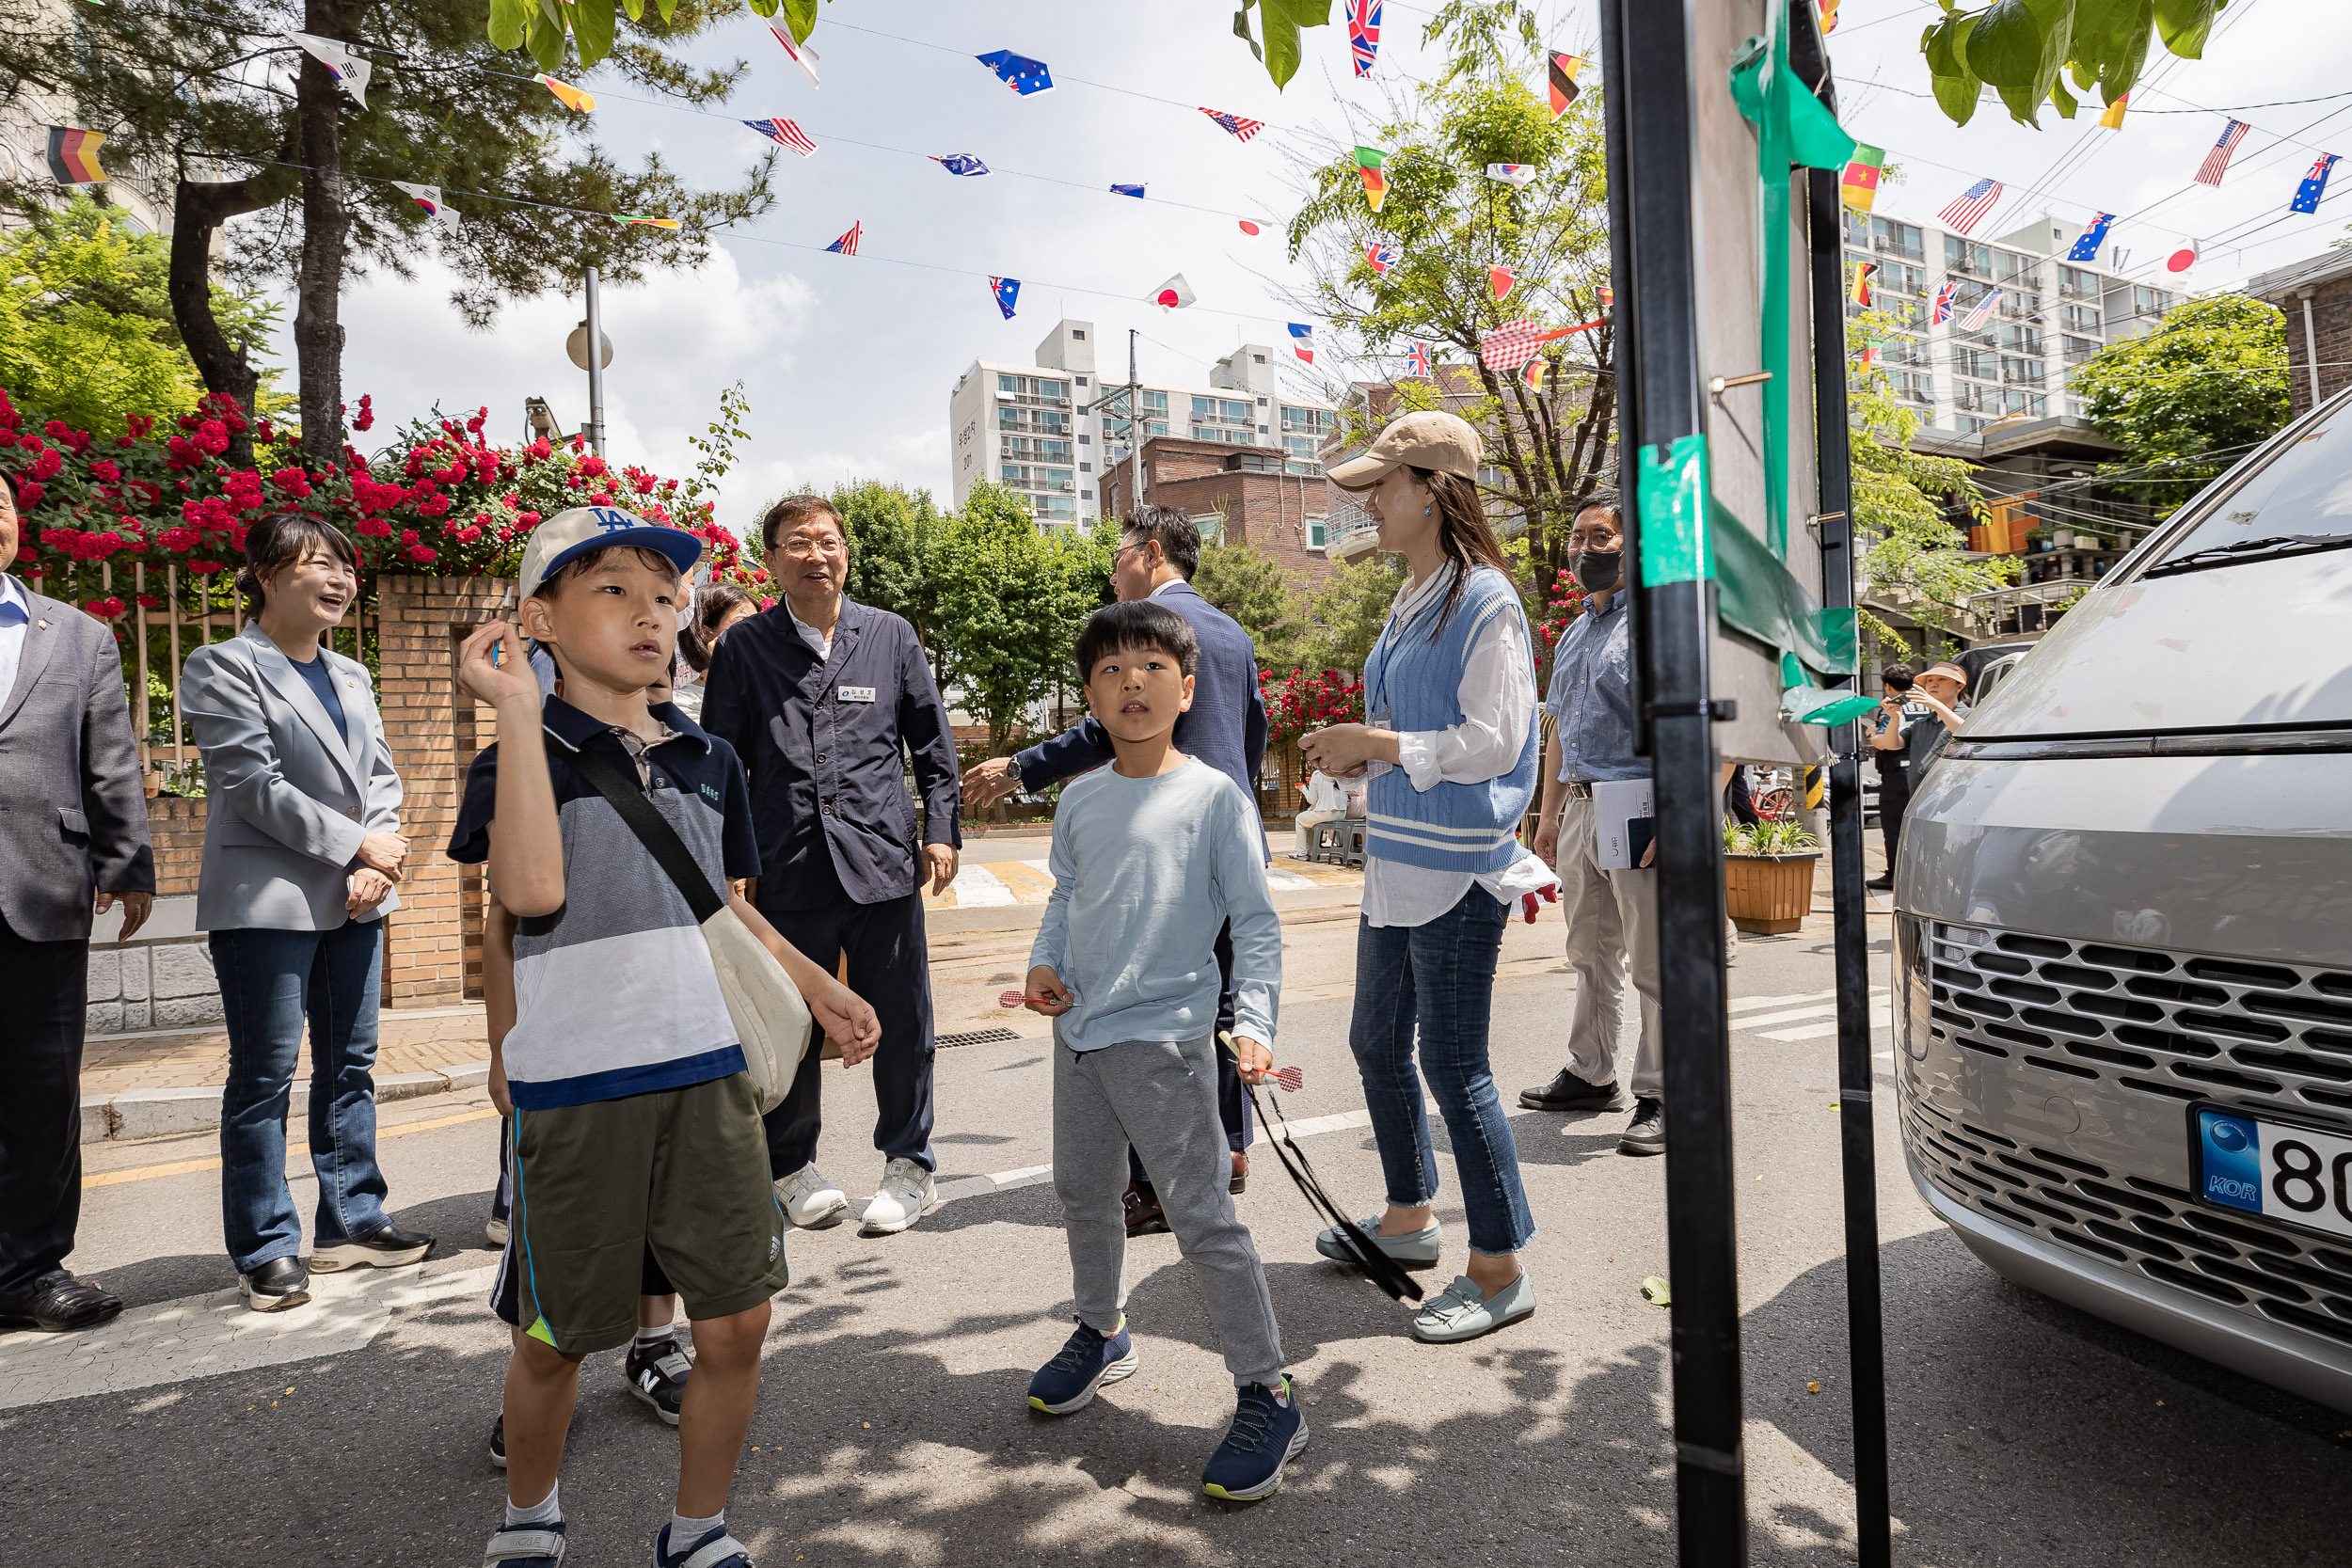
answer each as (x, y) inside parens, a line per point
(434, 952)
(2331, 323)
(1269, 511)
(176, 827)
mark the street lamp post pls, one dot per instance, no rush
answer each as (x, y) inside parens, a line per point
(591, 330)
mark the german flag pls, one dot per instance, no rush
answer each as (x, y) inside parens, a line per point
(1860, 293)
(74, 156)
(1561, 74)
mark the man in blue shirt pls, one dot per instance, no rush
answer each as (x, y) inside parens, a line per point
(1611, 915)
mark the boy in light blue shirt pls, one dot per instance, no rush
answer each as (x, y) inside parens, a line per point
(1152, 856)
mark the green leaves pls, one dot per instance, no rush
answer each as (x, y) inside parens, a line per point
(592, 25)
(1279, 21)
(801, 16)
(510, 22)
(2020, 47)
(544, 26)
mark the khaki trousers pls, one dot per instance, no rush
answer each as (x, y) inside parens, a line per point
(1611, 917)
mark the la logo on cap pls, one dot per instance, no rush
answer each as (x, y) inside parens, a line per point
(612, 519)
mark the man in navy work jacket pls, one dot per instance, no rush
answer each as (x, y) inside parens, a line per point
(1159, 550)
(824, 699)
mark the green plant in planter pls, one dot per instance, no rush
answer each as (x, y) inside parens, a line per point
(1768, 838)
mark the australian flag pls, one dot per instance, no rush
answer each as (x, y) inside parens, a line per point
(1020, 73)
(1363, 33)
(1008, 290)
(964, 164)
(1136, 191)
(2315, 185)
(2087, 249)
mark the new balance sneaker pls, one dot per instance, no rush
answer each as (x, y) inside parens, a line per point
(716, 1550)
(906, 1194)
(1268, 1428)
(1086, 1361)
(656, 1373)
(809, 1201)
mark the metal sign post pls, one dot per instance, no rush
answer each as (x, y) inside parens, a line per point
(596, 367)
(1651, 120)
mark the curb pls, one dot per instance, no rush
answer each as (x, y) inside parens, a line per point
(178, 1111)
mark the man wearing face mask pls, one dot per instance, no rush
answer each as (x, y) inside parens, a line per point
(1610, 914)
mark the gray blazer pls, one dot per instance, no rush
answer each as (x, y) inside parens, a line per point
(291, 800)
(73, 811)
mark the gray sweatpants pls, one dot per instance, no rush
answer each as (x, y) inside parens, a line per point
(1160, 1097)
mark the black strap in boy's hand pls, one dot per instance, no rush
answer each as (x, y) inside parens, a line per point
(1386, 1271)
(652, 828)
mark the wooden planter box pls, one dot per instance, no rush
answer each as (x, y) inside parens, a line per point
(1769, 896)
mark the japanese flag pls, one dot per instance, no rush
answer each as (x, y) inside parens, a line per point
(1174, 295)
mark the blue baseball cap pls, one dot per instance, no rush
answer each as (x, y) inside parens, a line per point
(568, 535)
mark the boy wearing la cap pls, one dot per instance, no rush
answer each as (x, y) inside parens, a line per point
(635, 1124)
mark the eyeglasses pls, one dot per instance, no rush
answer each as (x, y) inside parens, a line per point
(802, 547)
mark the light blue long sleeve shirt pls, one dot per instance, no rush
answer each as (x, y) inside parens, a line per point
(1145, 873)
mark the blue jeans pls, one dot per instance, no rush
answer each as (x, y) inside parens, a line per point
(270, 983)
(1440, 977)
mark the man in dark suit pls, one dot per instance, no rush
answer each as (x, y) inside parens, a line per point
(72, 840)
(826, 701)
(1159, 549)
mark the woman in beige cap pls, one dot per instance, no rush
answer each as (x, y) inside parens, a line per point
(1450, 754)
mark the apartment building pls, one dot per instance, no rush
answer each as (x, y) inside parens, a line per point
(1051, 431)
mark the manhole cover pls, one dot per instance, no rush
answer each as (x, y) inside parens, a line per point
(977, 1037)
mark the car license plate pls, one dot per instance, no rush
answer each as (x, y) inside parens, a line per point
(2294, 1174)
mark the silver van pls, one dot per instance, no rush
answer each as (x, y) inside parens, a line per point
(2124, 937)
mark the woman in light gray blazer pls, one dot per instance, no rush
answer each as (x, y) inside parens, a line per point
(301, 852)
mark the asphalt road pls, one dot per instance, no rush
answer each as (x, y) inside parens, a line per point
(892, 1428)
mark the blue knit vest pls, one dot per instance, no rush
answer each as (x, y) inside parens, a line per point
(1412, 683)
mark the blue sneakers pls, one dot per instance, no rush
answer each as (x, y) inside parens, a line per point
(1088, 1361)
(1268, 1428)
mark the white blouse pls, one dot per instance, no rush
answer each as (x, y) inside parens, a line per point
(1497, 697)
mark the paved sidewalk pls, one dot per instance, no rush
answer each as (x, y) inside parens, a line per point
(420, 1040)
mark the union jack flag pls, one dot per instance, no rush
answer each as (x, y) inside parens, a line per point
(2218, 160)
(1944, 298)
(1245, 129)
(1968, 212)
(1381, 256)
(785, 131)
(1363, 33)
(847, 244)
(1417, 362)
(1982, 312)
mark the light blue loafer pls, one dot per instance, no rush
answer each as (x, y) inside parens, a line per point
(1415, 1249)
(1465, 1311)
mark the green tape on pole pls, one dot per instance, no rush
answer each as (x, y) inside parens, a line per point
(1791, 673)
(1674, 497)
(1757, 594)
(1841, 638)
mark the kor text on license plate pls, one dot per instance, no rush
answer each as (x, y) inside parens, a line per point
(2282, 1171)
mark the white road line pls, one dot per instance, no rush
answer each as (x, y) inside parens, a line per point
(977, 887)
(1750, 1004)
(1793, 1014)
(1289, 881)
(1822, 1031)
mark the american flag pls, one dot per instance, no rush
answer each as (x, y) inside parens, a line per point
(1381, 256)
(2216, 161)
(1245, 129)
(1944, 298)
(1363, 33)
(1510, 346)
(847, 244)
(1968, 212)
(1982, 311)
(1417, 362)
(785, 131)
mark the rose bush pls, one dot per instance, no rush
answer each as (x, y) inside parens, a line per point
(1301, 702)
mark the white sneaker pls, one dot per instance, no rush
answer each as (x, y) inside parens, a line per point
(906, 1194)
(495, 1230)
(809, 1201)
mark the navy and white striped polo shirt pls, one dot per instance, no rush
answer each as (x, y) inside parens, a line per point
(614, 994)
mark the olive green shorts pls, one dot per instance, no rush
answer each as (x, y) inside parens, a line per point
(681, 1172)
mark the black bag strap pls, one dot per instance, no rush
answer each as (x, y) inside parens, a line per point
(645, 820)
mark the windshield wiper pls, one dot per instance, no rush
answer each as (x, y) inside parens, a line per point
(2250, 549)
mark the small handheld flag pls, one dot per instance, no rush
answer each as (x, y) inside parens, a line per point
(1380, 256)
(1859, 187)
(1250, 228)
(647, 219)
(2216, 161)
(1417, 362)
(847, 244)
(2095, 235)
(786, 133)
(1174, 295)
(1363, 33)
(341, 63)
(1368, 162)
(1136, 191)
(1302, 341)
(1561, 73)
(2182, 259)
(1860, 293)
(429, 198)
(2113, 119)
(1982, 311)
(1517, 175)
(1502, 279)
(2315, 185)
(801, 54)
(1968, 211)
(961, 163)
(568, 95)
(1944, 299)
(1243, 129)
(1006, 290)
(74, 156)
(1020, 73)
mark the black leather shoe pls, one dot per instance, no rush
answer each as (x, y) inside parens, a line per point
(1882, 884)
(386, 1247)
(1142, 1206)
(280, 1283)
(1567, 1092)
(56, 1302)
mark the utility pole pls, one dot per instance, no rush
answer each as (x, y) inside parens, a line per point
(596, 367)
(1135, 425)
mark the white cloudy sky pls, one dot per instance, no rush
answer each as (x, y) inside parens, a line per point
(848, 362)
